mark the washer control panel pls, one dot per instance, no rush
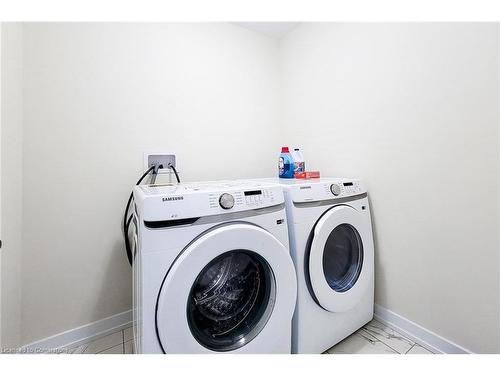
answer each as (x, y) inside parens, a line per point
(246, 199)
(173, 202)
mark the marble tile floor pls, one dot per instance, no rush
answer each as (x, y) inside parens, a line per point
(120, 342)
(377, 338)
(374, 338)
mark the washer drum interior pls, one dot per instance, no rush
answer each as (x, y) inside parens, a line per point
(231, 300)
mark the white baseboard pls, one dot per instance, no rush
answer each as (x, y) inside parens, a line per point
(419, 334)
(81, 335)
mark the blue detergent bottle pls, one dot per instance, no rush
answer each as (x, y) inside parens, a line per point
(285, 164)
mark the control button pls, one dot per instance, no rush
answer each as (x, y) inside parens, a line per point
(335, 189)
(226, 201)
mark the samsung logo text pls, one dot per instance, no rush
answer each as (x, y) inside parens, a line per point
(166, 199)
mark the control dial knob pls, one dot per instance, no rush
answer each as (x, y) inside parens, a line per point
(335, 189)
(226, 201)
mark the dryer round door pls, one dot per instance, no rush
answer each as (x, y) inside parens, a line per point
(341, 258)
(229, 286)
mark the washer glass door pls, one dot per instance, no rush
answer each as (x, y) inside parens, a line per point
(230, 300)
(229, 290)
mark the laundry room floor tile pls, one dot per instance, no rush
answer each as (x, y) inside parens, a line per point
(361, 343)
(374, 338)
(388, 336)
(118, 349)
(377, 338)
(129, 347)
(104, 343)
(417, 349)
(128, 334)
(78, 350)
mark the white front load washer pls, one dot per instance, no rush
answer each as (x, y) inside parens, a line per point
(212, 269)
(331, 243)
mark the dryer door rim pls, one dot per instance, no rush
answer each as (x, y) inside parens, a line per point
(325, 295)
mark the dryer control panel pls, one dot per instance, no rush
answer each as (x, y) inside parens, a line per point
(323, 189)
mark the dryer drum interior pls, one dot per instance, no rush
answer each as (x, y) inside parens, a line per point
(343, 258)
(231, 300)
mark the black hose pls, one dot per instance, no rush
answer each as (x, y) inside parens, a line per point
(126, 221)
(175, 172)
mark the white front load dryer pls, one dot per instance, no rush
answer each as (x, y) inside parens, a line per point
(212, 269)
(331, 243)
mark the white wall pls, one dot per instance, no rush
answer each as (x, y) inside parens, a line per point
(413, 110)
(11, 183)
(95, 97)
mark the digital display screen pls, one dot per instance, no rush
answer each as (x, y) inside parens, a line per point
(347, 183)
(253, 192)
